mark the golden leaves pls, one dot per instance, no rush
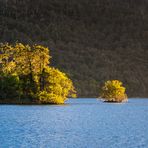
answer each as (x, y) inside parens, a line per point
(38, 80)
(113, 91)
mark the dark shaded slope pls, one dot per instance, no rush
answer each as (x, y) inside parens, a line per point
(91, 40)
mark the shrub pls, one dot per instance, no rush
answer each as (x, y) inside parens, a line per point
(113, 91)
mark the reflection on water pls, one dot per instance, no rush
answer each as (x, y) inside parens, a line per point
(80, 123)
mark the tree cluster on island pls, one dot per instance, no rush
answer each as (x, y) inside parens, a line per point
(113, 91)
(26, 76)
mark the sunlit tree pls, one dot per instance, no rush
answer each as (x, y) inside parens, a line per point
(57, 87)
(36, 80)
(113, 91)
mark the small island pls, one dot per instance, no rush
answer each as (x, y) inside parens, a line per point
(26, 76)
(113, 91)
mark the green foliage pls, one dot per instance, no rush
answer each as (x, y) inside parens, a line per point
(25, 73)
(9, 86)
(113, 91)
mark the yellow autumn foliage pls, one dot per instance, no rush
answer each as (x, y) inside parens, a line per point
(37, 80)
(57, 87)
(113, 91)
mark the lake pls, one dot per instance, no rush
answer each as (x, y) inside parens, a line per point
(80, 123)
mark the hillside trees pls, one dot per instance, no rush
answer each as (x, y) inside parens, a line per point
(25, 72)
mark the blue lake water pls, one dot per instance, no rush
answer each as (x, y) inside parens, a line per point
(81, 123)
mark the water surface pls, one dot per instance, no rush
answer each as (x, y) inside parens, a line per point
(81, 123)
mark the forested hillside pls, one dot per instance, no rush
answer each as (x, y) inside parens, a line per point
(91, 40)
